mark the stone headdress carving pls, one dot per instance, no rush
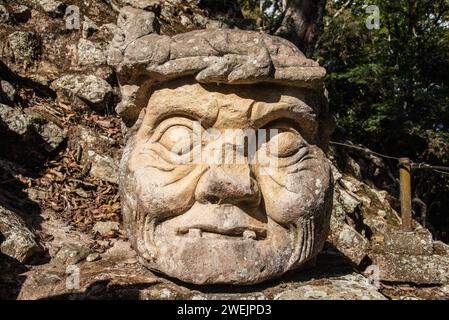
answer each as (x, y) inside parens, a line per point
(143, 58)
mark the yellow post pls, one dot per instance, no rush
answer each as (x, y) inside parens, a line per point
(406, 192)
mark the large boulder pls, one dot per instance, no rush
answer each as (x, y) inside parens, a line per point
(95, 92)
(25, 48)
(352, 286)
(140, 4)
(8, 92)
(20, 241)
(5, 17)
(53, 8)
(118, 275)
(419, 269)
(90, 54)
(28, 137)
(97, 152)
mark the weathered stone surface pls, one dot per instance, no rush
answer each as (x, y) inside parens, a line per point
(51, 133)
(419, 242)
(440, 248)
(105, 228)
(104, 168)
(56, 53)
(364, 213)
(18, 121)
(7, 92)
(347, 200)
(66, 244)
(53, 8)
(91, 140)
(420, 269)
(25, 47)
(13, 119)
(348, 287)
(91, 89)
(411, 292)
(90, 54)
(20, 242)
(140, 4)
(117, 276)
(215, 24)
(22, 13)
(346, 239)
(29, 136)
(93, 257)
(72, 253)
(89, 27)
(97, 153)
(132, 24)
(5, 17)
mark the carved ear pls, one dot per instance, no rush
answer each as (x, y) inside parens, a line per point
(135, 23)
(133, 130)
(327, 123)
(132, 24)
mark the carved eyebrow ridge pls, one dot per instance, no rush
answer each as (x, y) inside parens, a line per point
(302, 115)
(262, 112)
(207, 120)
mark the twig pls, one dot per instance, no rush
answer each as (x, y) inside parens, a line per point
(347, 4)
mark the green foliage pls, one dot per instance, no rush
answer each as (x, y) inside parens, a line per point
(245, 14)
(389, 88)
(250, 8)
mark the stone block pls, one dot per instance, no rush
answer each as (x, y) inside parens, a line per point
(430, 269)
(407, 243)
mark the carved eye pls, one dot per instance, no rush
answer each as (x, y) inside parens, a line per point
(178, 139)
(285, 144)
(283, 140)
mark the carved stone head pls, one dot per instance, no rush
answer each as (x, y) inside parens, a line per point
(223, 178)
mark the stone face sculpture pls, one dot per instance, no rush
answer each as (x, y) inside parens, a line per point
(190, 100)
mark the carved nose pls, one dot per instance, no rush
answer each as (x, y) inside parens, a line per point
(232, 184)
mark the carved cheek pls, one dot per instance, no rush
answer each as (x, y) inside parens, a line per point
(166, 194)
(288, 196)
(161, 190)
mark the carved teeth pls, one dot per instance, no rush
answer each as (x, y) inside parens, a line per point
(248, 234)
(195, 233)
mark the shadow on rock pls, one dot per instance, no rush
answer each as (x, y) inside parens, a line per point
(11, 279)
(103, 290)
(19, 244)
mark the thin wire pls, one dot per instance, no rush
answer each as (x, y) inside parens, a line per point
(439, 169)
(424, 165)
(415, 165)
(442, 172)
(364, 149)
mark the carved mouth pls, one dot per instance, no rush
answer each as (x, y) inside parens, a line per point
(213, 222)
(205, 231)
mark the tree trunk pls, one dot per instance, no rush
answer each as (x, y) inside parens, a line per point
(301, 23)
